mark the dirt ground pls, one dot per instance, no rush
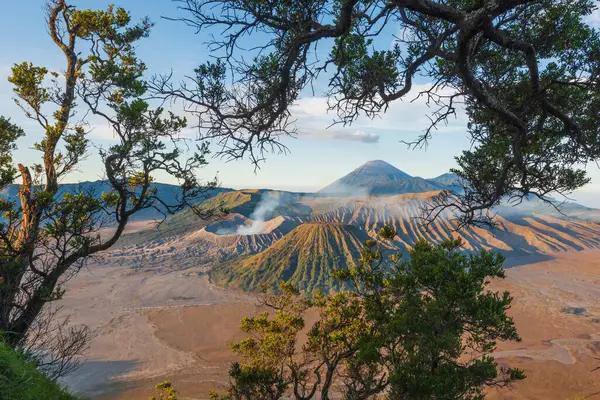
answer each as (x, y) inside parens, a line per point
(154, 325)
(559, 350)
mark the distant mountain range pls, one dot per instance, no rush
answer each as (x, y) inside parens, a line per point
(166, 192)
(302, 238)
(381, 178)
(272, 235)
(375, 177)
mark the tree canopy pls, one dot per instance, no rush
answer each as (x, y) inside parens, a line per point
(45, 237)
(526, 71)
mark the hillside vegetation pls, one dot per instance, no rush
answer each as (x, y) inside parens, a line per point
(305, 257)
(20, 380)
(173, 226)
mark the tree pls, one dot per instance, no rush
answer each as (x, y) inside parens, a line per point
(54, 344)
(166, 391)
(423, 328)
(437, 323)
(273, 362)
(527, 72)
(46, 237)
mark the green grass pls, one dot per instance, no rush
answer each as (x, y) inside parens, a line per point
(20, 380)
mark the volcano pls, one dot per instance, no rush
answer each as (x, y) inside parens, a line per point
(303, 237)
(379, 178)
(306, 257)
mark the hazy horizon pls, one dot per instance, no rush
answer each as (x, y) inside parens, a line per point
(318, 156)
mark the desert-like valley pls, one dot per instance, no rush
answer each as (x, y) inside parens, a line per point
(195, 202)
(166, 303)
(152, 326)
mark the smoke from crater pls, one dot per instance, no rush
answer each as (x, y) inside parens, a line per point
(263, 210)
(259, 216)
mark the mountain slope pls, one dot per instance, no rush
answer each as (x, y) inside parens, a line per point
(166, 192)
(528, 232)
(448, 179)
(378, 177)
(306, 248)
(22, 380)
(306, 257)
(246, 201)
(308, 254)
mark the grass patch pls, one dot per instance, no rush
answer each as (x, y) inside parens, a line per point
(20, 380)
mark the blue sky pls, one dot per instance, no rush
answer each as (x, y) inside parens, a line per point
(317, 157)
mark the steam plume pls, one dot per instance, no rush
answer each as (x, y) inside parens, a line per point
(264, 208)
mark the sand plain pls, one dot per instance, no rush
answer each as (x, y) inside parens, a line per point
(153, 324)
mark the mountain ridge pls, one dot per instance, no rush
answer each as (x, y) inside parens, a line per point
(378, 177)
(165, 191)
(319, 243)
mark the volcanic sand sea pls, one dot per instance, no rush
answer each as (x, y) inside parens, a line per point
(153, 325)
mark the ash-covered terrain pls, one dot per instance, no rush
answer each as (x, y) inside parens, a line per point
(270, 236)
(165, 302)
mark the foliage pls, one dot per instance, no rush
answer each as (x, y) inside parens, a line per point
(436, 321)
(423, 328)
(166, 391)
(9, 133)
(527, 73)
(46, 237)
(273, 362)
(20, 379)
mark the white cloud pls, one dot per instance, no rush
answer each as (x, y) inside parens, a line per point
(102, 132)
(407, 116)
(189, 133)
(107, 133)
(595, 17)
(337, 134)
(310, 107)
